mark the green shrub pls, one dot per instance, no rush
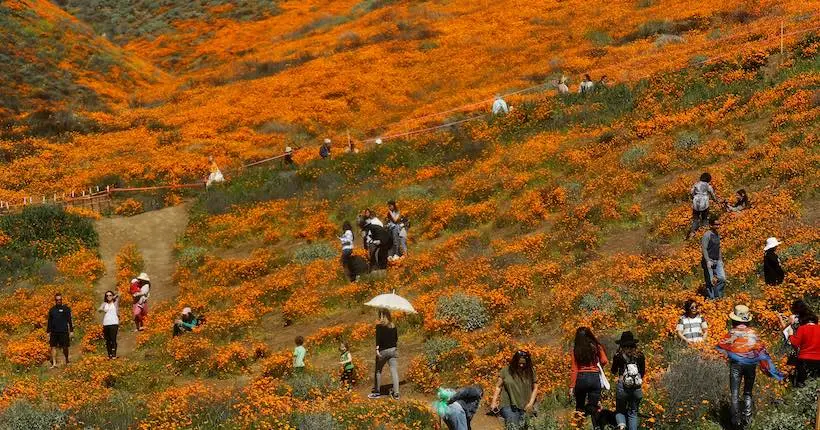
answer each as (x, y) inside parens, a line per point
(691, 380)
(314, 421)
(24, 415)
(437, 348)
(468, 312)
(633, 155)
(598, 37)
(310, 386)
(687, 140)
(796, 412)
(192, 256)
(314, 251)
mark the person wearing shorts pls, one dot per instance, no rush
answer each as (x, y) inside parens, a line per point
(60, 328)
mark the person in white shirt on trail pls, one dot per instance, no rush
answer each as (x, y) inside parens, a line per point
(701, 193)
(691, 325)
(111, 321)
(500, 106)
(586, 85)
(347, 250)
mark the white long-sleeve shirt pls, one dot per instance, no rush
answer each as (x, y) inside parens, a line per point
(500, 106)
(110, 309)
(347, 240)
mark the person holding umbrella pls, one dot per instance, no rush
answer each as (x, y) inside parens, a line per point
(387, 338)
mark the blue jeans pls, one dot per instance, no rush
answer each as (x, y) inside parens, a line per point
(714, 291)
(513, 417)
(588, 395)
(456, 418)
(627, 402)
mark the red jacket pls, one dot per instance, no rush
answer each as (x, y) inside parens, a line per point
(807, 340)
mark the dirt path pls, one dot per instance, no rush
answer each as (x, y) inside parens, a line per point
(154, 233)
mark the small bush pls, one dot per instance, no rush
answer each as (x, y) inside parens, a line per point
(437, 348)
(314, 421)
(632, 156)
(315, 251)
(797, 411)
(687, 140)
(694, 384)
(129, 207)
(192, 256)
(24, 415)
(310, 386)
(598, 37)
(468, 312)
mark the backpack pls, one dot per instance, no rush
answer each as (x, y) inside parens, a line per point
(700, 200)
(632, 376)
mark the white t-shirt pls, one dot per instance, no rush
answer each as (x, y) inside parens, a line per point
(347, 240)
(110, 317)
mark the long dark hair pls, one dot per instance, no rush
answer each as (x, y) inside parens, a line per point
(517, 371)
(630, 351)
(586, 346)
(744, 198)
(803, 312)
(687, 307)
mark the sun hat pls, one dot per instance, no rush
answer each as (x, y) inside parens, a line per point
(288, 150)
(627, 339)
(144, 277)
(771, 243)
(327, 140)
(379, 141)
(186, 311)
(741, 314)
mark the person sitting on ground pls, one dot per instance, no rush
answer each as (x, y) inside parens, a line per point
(562, 86)
(288, 158)
(745, 352)
(629, 366)
(299, 353)
(807, 342)
(586, 86)
(215, 175)
(324, 150)
(711, 261)
(500, 106)
(701, 192)
(772, 271)
(588, 356)
(347, 250)
(602, 83)
(691, 326)
(348, 377)
(187, 321)
(517, 387)
(741, 202)
(457, 407)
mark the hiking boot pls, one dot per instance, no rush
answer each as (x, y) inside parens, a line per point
(395, 396)
(374, 395)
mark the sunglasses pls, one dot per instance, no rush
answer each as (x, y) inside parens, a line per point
(523, 353)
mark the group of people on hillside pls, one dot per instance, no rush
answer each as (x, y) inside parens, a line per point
(586, 86)
(383, 242)
(702, 193)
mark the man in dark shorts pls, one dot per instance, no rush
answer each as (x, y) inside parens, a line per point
(60, 329)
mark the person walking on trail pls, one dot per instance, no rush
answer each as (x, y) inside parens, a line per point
(691, 327)
(500, 106)
(741, 202)
(586, 86)
(60, 328)
(629, 366)
(348, 377)
(712, 261)
(745, 352)
(324, 150)
(588, 358)
(516, 390)
(215, 175)
(299, 353)
(387, 339)
(394, 226)
(457, 407)
(772, 271)
(701, 193)
(186, 322)
(111, 321)
(806, 340)
(140, 291)
(347, 251)
(562, 86)
(287, 159)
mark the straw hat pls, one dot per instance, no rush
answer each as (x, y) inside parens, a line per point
(741, 314)
(771, 243)
(327, 140)
(186, 311)
(288, 150)
(144, 277)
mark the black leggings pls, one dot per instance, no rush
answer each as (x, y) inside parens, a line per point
(110, 335)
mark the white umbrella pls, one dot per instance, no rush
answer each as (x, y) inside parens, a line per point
(391, 301)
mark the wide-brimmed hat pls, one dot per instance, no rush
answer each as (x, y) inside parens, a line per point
(741, 314)
(144, 277)
(627, 339)
(288, 150)
(327, 140)
(771, 243)
(186, 311)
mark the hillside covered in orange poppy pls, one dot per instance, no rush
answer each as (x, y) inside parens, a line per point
(571, 210)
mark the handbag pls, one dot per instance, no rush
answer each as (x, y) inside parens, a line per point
(604, 381)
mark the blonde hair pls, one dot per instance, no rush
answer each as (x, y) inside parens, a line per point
(385, 318)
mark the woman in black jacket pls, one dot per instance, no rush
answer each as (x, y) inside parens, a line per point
(772, 272)
(629, 366)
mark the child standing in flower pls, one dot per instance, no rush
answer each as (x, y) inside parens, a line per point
(348, 369)
(299, 354)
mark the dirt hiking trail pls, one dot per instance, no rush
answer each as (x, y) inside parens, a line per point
(154, 233)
